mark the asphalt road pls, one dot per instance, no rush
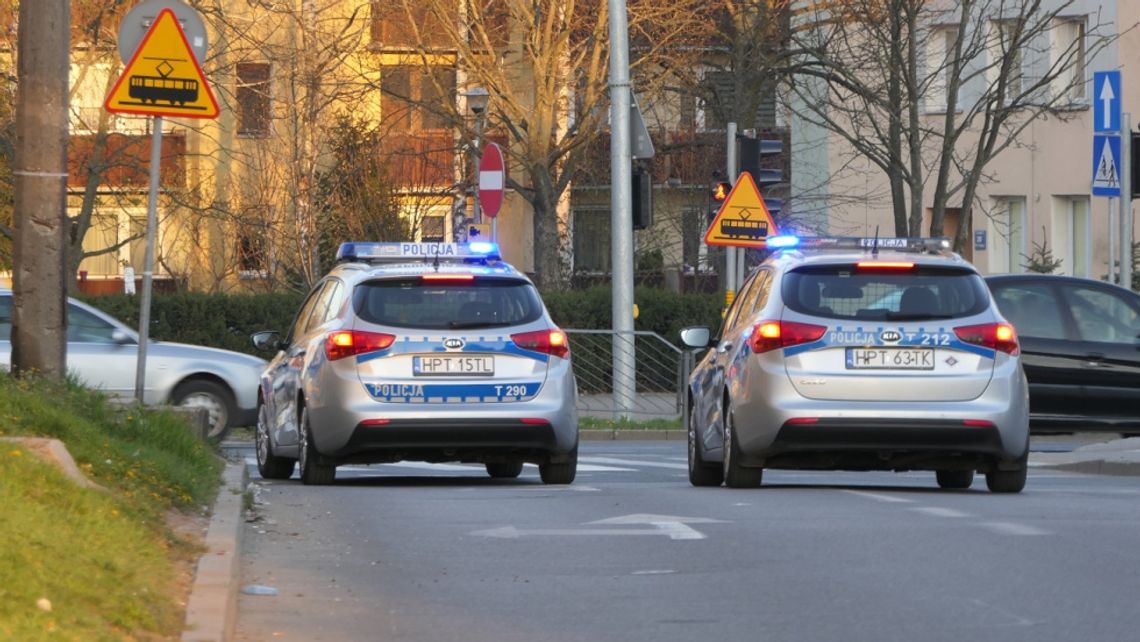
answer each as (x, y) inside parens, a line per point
(631, 552)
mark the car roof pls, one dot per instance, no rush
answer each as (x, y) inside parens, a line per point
(847, 250)
(359, 261)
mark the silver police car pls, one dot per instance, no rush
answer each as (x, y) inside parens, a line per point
(860, 354)
(424, 352)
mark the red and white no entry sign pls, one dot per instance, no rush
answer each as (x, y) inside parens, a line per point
(491, 180)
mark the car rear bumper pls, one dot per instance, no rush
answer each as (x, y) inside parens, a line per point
(484, 439)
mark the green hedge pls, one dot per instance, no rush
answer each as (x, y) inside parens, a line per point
(227, 320)
(218, 320)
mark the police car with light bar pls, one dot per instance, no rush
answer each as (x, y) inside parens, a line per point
(860, 354)
(429, 352)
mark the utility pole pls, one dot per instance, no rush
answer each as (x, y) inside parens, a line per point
(39, 283)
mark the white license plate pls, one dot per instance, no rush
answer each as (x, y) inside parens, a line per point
(890, 359)
(436, 365)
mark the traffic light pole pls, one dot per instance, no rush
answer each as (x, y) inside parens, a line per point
(1126, 200)
(621, 222)
(730, 280)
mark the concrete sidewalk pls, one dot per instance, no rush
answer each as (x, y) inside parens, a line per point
(213, 605)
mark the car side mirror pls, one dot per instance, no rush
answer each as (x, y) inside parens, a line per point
(696, 337)
(267, 340)
(121, 337)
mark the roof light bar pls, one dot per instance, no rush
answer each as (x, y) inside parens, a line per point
(374, 252)
(900, 244)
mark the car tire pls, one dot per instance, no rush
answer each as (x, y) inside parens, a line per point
(313, 472)
(505, 469)
(270, 466)
(214, 397)
(701, 473)
(736, 475)
(560, 473)
(1009, 481)
(954, 479)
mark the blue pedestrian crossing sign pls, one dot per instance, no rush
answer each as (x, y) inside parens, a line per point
(1106, 99)
(1106, 166)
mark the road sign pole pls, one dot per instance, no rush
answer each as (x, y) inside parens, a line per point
(1126, 200)
(1112, 240)
(148, 257)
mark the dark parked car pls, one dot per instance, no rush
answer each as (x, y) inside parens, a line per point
(1080, 347)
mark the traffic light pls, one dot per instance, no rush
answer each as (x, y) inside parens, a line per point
(1135, 165)
(717, 196)
(642, 200)
(752, 152)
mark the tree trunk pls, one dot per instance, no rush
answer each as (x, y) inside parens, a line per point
(39, 311)
(547, 255)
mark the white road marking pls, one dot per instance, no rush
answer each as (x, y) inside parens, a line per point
(654, 572)
(880, 497)
(938, 511)
(1012, 528)
(631, 462)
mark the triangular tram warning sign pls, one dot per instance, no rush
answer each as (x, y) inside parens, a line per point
(743, 219)
(163, 78)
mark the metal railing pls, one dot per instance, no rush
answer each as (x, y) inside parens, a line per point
(661, 372)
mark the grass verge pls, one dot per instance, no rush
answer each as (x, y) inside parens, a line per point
(87, 564)
(598, 423)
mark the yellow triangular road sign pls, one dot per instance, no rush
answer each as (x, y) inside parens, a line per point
(743, 219)
(163, 78)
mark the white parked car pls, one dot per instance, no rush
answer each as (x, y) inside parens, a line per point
(102, 353)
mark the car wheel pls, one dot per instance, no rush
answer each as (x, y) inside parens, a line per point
(215, 398)
(957, 479)
(562, 473)
(270, 466)
(701, 473)
(1009, 481)
(313, 473)
(505, 470)
(736, 475)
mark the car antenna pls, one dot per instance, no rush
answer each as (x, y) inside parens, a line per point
(875, 245)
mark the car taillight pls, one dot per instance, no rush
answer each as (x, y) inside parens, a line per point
(770, 335)
(552, 342)
(348, 343)
(999, 336)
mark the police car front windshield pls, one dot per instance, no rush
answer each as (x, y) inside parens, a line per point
(415, 303)
(919, 293)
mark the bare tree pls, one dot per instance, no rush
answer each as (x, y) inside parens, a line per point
(931, 92)
(544, 63)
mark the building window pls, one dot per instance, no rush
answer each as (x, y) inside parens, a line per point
(1068, 57)
(592, 241)
(252, 251)
(432, 229)
(1007, 248)
(416, 100)
(1003, 47)
(394, 28)
(1070, 234)
(253, 99)
(939, 66)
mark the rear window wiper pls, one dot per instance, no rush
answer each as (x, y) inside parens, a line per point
(456, 325)
(924, 316)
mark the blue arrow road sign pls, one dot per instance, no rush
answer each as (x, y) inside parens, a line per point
(1106, 101)
(1106, 166)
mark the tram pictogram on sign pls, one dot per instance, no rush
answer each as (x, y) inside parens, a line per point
(163, 78)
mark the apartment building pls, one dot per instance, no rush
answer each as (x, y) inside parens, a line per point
(1035, 193)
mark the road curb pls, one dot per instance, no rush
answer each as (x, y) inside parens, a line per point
(1100, 467)
(212, 608)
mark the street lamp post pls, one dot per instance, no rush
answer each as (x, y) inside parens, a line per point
(477, 99)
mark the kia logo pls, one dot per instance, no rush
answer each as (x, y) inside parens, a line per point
(453, 344)
(890, 336)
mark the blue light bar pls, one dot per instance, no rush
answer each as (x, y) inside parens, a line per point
(785, 241)
(900, 244)
(368, 251)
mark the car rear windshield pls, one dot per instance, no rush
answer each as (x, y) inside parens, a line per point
(447, 305)
(920, 292)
